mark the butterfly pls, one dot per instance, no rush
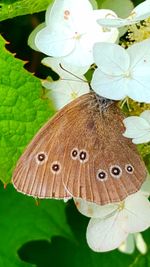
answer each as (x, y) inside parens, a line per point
(82, 153)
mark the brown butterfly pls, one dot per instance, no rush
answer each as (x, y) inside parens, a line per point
(81, 152)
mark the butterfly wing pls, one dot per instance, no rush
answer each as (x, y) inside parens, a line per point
(39, 170)
(108, 167)
(82, 150)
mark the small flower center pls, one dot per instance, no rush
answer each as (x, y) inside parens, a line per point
(127, 74)
(77, 36)
(106, 29)
(74, 95)
(121, 206)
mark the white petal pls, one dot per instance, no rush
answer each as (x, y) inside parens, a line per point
(63, 72)
(143, 139)
(107, 234)
(146, 115)
(128, 245)
(135, 127)
(139, 87)
(63, 92)
(75, 8)
(140, 54)
(80, 56)
(145, 189)
(31, 39)
(136, 213)
(55, 44)
(115, 22)
(111, 87)
(111, 58)
(140, 243)
(108, 34)
(142, 11)
(139, 13)
(93, 210)
(138, 129)
(63, 20)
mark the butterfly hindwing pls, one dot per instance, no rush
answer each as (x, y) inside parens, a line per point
(86, 156)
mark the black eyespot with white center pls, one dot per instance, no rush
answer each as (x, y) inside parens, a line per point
(74, 153)
(115, 171)
(41, 158)
(102, 175)
(56, 167)
(129, 168)
(83, 156)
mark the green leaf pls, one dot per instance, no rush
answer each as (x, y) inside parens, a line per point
(21, 220)
(77, 253)
(51, 234)
(10, 9)
(122, 9)
(22, 110)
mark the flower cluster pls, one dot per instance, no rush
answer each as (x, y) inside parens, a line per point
(111, 224)
(74, 36)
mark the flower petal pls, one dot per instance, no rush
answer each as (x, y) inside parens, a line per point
(111, 87)
(138, 87)
(139, 13)
(140, 243)
(140, 54)
(112, 59)
(66, 71)
(93, 210)
(107, 234)
(53, 43)
(137, 213)
(128, 245)
(68, 13)
(63, 92)
(145, 189)
(146, 115)
(135, 127)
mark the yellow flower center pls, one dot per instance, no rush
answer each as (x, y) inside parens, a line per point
(74, 95)
(121, 206)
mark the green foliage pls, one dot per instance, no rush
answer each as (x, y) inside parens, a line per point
(50, 234)
(21, 220)
(11, 9)
(22, 110)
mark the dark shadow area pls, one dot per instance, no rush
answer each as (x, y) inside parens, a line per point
(16, 32)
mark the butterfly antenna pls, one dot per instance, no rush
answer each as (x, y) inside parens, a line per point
(72, 74)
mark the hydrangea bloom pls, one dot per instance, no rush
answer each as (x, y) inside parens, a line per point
(138, 127)
(68, 87)
(72, 29)
(111, 224)
(140, 12)
(122, 72)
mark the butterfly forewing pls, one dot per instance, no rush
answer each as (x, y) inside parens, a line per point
(85, 156)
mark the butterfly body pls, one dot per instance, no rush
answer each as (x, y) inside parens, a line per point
(81, 152)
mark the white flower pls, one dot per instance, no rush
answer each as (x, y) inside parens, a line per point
(72, 29)
(68, 87)
(140, 12)
(111, 224)
(122, 72)
(133, 241)
(138, 127)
